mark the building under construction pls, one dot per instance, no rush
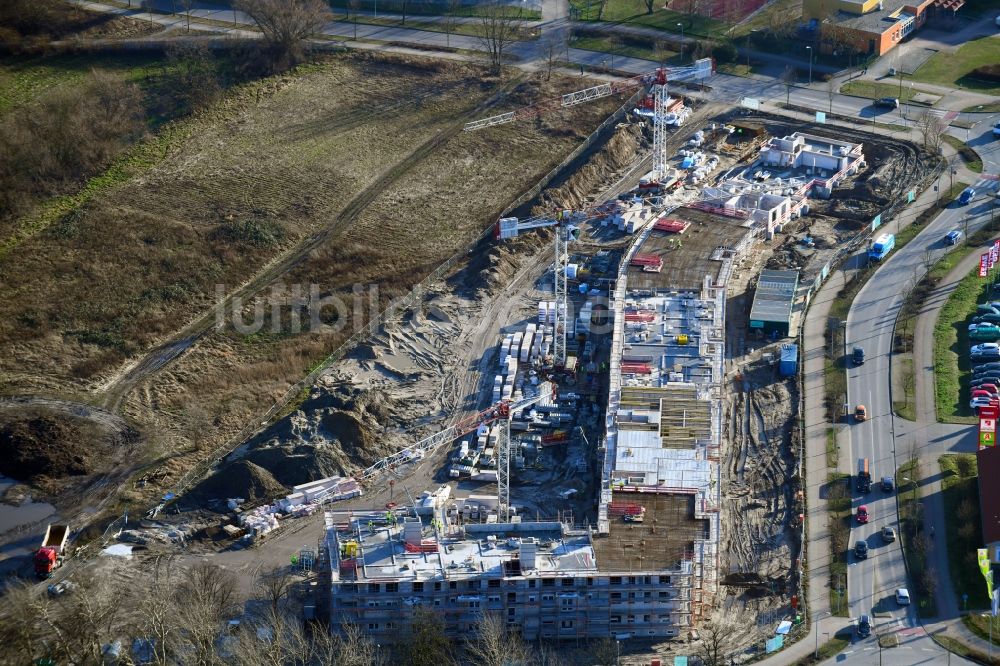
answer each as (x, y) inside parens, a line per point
(648, 568)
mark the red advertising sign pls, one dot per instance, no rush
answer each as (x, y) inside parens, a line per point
(988, 424)
(984, 262)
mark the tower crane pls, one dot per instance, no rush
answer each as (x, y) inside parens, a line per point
(656, 80)
(502, 411)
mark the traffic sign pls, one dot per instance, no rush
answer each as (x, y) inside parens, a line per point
(986, 439)
(986, 425)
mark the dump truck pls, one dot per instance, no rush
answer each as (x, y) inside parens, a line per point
(50, 555)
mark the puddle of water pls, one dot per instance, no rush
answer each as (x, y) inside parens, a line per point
(27, 512)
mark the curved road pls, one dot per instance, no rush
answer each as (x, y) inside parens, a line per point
(888, 441)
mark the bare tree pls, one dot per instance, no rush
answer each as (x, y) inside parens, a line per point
(272, 586)
(715, 640)
(498, 27)
(615, 46)
(661, 51)
(931, 131)
(148, 5)
(286, 24)
(555, 44)
(402, 7)
(352, 647)
(356, 6)
(451, 20)
(496, 645)
(831, 91)
(424, 643)
(650, 4)
(606, 651)
(788, 77)
(187, 5)
(601, 6)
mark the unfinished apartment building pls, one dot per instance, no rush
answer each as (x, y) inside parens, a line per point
(545, 578)
(648, 568)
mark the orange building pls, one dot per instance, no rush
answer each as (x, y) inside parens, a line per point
(870, 27)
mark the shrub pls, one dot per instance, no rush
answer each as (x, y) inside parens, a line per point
(68, 136)
(986, 72)
(725, 52)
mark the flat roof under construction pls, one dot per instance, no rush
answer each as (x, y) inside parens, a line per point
(690, 256)
(664, 537)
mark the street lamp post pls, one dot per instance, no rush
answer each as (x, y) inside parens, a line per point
(810, 49)
(681, 26)
(816, 651)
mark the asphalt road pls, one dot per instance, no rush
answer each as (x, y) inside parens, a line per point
(888, 441)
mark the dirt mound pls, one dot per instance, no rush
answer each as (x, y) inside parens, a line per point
(45, 447)
(301, 464)
(616, 154)
(240, 479)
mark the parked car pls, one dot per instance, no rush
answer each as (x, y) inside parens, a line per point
(860, 413)
(864, 626)
(987, 308)
(977, 393)
(862, 514)
(903, 596)
(861, 549)
(986, 385)
(858, 356)
(996, 126)
(967, 195)
(986, 319)
(976, 403)
(982, 367)
(887, 484)
(986, 347)
(953, 237)
(887, 103)
(888, 534)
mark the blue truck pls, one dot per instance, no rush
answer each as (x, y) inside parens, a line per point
(882, 246)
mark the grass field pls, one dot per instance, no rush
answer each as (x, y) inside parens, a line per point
(838, 507)
(915, 543)
(633, 12)
(960, 490)
(968, 155)
(427, 8)
(979, 624)
(953, 69)
(875, 89)
(438, 24)
(632, 48)
(951, 350)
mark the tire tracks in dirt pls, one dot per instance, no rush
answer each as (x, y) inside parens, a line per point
(119, 387)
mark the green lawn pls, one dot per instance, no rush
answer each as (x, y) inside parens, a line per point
(875, 89)
(960, 490)
(427, 8)
(440, 24)
(911, 535)
(838, 507)
(968, 155)
(951, 350)
(952, 69)
(623, 47)
(23, 79)
(983, 108)
(633, 12)
(980, 626)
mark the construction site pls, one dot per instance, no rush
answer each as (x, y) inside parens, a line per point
(576, 424)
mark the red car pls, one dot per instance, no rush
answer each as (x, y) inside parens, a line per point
(862, 514)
